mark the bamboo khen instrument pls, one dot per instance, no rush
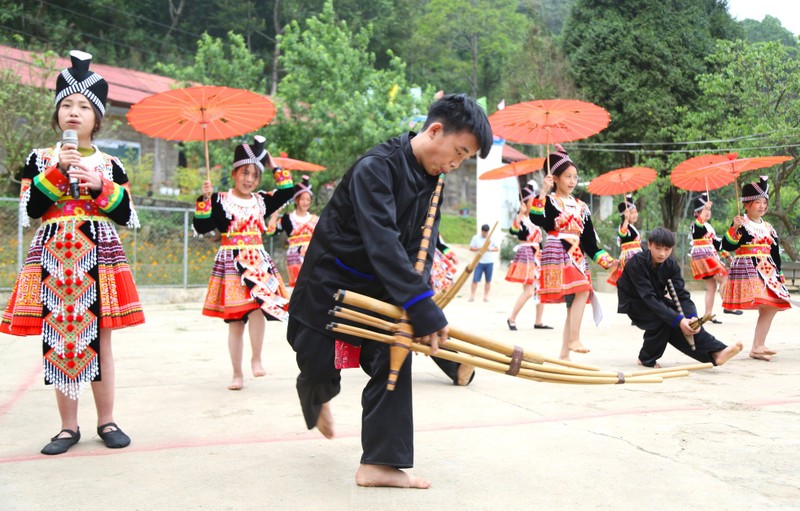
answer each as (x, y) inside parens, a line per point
(475, 350)
(698, 322)
(472, 349)
(674, 295)
(404, 333)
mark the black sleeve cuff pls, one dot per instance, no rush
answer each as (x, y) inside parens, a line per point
(426, 317)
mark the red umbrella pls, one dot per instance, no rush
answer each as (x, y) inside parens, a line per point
(712, 171)
(517, 168)
(622, 181)
(549, 121)
(287, 163)
(201, 113)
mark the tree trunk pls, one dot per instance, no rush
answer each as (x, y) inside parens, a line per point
(174, 16)
(276, 52)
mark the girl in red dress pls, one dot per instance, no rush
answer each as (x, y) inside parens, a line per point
(298, 226)
(629, 239)
(570, 239)
(526, 266)
(245, 287)
(706, 263)
(76, 286)
(756, 281)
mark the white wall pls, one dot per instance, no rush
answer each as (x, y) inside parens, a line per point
(496, 200)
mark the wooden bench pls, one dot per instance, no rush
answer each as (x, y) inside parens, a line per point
(791, 272)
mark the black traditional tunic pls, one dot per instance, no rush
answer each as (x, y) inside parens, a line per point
(366, 241)
(642, 293)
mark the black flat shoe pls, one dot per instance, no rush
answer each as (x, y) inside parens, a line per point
(542, 326)
(511, 325)
(715, 321)
(114, 439)
(730, 311)
(61, 445)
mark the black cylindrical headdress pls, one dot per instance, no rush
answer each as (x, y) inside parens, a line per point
(558, 161)
(78, 79)
(700, 202)
(304, 186)
(758, 190)
(254, 153)
(531, 189)
(626, 204)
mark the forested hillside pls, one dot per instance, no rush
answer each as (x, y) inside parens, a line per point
(679, 78)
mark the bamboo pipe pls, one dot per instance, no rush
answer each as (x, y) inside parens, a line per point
(660, 370)
(444, 298)
(677, 302)
(385, 309)
(404, 333)
(698, 322)
(495, 366)
(459, 346)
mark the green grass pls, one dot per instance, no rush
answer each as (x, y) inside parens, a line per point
(457, 229)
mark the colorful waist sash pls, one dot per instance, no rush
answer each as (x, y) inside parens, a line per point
(74, 209)
(702, 242)
(631, 245)
(241, 240)
(753, 251)
(300, 239)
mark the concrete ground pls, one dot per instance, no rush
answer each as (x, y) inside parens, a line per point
(725, 438)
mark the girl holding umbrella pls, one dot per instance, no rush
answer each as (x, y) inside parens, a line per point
(706, 263)
(245, 287)
(756, 281)
(628, 237)
(571, 238)
(526, 266)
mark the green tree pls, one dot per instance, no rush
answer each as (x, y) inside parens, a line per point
(639, 59)
(769, 29)
(25, 113)
(750, 95)
(546, 73)
(465, 45)
(333, 103)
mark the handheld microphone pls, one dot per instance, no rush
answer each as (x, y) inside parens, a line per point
(70, 137)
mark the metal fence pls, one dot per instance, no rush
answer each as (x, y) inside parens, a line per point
(164, 252)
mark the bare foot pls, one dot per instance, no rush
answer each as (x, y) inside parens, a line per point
(236, 383)
(258, 369)
(325, 421)
(381, 475)
(655, 366)
(760, 356)
(728, 353)
(464, 374)
(577, 347)
(766, 351)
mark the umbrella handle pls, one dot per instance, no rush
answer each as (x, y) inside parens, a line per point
(205, 146)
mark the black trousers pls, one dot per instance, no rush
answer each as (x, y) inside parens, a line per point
(656, 340)
(387, 423)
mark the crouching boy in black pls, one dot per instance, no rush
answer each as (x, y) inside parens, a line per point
(643, 296)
